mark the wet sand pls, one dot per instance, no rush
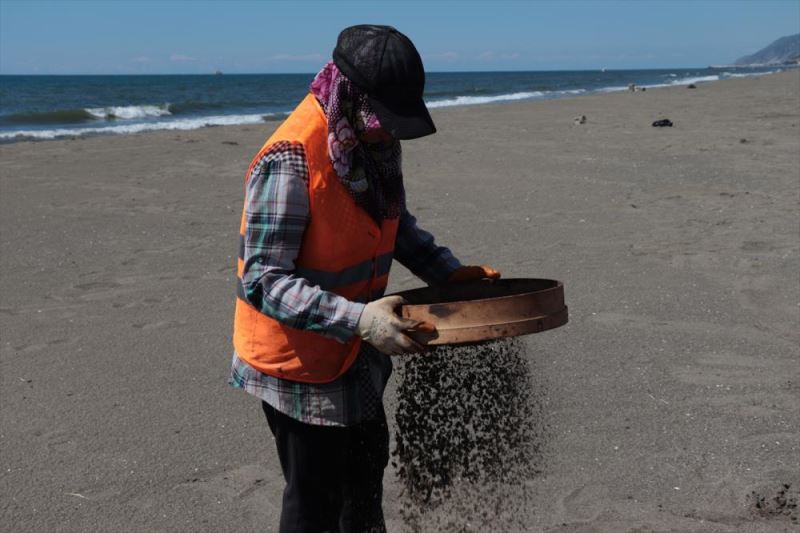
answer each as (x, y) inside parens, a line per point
(672, 396)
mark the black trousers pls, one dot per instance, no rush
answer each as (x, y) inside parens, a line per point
(334, 475)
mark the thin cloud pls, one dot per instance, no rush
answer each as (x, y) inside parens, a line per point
(444, 56)
(493, 56)
(297, 57)
(181, 58)
(140, 59)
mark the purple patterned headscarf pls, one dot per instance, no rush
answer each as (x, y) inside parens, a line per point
(371, 172)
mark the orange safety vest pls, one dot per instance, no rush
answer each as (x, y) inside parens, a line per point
(343, 251)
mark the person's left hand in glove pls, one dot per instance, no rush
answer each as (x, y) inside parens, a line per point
(472, 273)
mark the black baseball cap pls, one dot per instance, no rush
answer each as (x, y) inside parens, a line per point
(384, 64)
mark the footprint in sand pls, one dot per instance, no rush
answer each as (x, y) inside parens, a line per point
(585, 503)
(100, 290)
(248, 482)
(160, 324)
(146, 302)
(58, 441)
(92, 285)
(756, 246)
(725, 368)
(36, 346)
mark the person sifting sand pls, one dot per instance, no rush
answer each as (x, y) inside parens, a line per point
(324, 215)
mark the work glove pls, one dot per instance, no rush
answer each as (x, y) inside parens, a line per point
(472, 273)
(380, 326)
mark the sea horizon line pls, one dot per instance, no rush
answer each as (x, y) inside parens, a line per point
(598, 69)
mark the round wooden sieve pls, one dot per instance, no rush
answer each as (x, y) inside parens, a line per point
(476, 311)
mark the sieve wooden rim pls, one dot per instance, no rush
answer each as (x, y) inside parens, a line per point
(486, 309)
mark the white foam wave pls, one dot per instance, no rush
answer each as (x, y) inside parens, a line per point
(129, 111)
(748, 74)
(185, 124)
(610, 89)
(475, 100)
(680, 81)
(698, 79)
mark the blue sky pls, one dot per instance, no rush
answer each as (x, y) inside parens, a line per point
(168, 37)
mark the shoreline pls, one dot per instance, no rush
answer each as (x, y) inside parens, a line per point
(191, 123)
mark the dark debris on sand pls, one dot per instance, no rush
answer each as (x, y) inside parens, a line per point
(780, 502)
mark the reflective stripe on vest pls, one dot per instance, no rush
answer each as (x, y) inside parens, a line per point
(329, 281)
(343, 251)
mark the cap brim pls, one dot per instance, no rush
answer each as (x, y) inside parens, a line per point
(404, 120)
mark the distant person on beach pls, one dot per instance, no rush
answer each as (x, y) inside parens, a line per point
(324, 215)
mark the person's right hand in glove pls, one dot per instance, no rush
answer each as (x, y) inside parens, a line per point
(473, 273)
(380, 326)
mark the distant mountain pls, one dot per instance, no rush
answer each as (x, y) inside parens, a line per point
(785, 49)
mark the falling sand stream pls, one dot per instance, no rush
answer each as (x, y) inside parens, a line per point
(469, 432)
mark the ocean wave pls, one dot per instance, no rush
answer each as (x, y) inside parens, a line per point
(182, 124)
(445, 93)
(129, 112)
(679, 81)
(475, 100)
(61, 116)
(88, 114)
(715, 77)
(193, 107)
(748, 74)
(611, 89)
(697, 79)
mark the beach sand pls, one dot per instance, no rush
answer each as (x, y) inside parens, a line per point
(672, 396)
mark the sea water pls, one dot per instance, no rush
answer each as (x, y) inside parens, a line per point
(48, 107)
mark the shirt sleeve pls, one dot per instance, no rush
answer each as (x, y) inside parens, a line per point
(276, 215)
(417, 250)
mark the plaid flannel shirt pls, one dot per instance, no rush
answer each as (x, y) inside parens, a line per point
(276, 214)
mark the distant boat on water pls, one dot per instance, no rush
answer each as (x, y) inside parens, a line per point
(217, 73)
